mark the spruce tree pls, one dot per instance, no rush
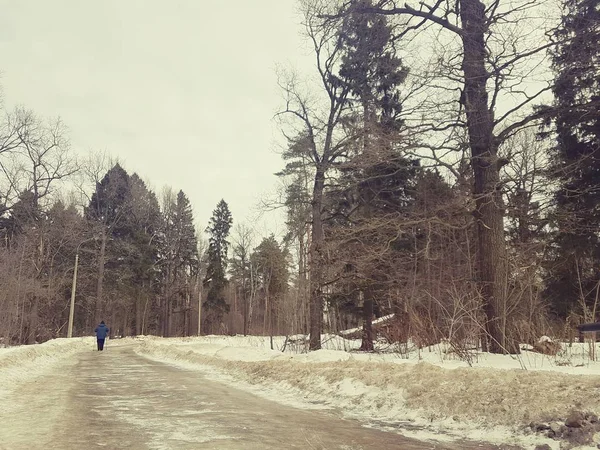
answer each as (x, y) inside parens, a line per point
(215, 280)
(108, 214)
(179, 262)
(375, 181)
(574, 271)
(141, 256)
(187, 243)
(371, 68)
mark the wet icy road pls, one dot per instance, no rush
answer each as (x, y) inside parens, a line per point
(119, 400)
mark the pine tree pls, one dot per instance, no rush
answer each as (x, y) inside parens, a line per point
(215, 280)
(574, 275)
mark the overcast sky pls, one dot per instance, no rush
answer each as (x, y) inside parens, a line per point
(182, 91)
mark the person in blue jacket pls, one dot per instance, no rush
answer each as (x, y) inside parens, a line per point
(101, 333)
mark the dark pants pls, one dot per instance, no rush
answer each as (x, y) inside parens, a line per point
(100, 344)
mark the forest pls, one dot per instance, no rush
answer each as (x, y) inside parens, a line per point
(440, 171)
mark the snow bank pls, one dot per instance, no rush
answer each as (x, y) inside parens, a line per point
(459, 401)
(572, 359)
(26, 362)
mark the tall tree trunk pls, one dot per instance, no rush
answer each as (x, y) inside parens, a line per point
(33, 320)
(367, 333)
(139, 312)
(166, 310)
(233, 315)
(266, 312)
(100, 283)
(316, 265)
(199, 306)
(113, 324)
(125, 331)
(492, 268)
(301, 323)
(245, 305)
(186, 317)
(367, 307)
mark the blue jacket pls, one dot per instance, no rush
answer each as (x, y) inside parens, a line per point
(101, 331)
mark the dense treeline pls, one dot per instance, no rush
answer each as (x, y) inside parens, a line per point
(440, 181)
(442, 170)
(141, 265)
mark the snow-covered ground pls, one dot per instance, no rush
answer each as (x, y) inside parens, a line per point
(427, 393)
(25, 363)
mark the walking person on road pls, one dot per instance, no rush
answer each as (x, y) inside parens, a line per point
(101, 333)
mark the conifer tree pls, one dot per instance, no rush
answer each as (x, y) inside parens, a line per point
(215, 280)
(374, 181)
(108, 214)
(574, 276)
(141, 257)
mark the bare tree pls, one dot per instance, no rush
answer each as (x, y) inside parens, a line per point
(315, 133)
(46, 151)
(240, 269)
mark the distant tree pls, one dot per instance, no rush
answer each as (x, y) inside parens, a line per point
(240, 268)
(139, 275)
(187, 258)
(271, 265)
(179, 262)
(108, 215)
(215, 279)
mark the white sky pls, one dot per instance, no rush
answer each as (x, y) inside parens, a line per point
(181, 91)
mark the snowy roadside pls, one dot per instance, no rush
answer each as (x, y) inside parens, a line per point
(438, 401)
(24, 363)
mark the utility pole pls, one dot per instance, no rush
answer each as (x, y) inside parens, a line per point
(73, 288)
(199, 307)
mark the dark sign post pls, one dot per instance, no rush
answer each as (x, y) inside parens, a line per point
(590, 329)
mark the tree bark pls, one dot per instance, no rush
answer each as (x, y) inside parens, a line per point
(33, 320)
(492, 269)
(139, 312)
(303, 316)
(316, 270)
(367, 334)
(186, 314)
(245, 306)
